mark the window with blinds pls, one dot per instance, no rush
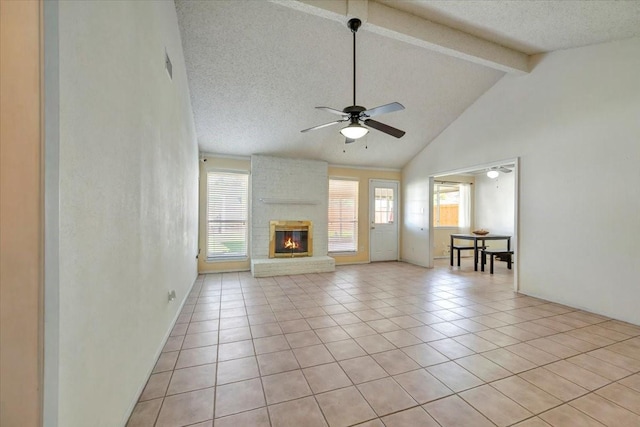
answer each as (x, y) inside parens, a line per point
(227, 214)
(343, 215)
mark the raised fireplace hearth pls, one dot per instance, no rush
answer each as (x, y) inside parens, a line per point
(290, 239)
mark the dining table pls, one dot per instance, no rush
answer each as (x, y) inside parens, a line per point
(478, 243)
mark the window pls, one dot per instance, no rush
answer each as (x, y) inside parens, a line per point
(446, 203)
(383, 206)
(343, 215)
(227, 214)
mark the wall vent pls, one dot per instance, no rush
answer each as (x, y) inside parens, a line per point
(167, 65)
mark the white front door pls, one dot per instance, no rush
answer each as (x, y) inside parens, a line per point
(383, 220)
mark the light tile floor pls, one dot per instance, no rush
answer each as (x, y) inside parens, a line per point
(389, 344)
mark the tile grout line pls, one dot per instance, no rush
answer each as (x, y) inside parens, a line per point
(312, 289)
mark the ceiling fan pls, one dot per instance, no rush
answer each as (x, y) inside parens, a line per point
(356, 115)
(493, 172)
(500, 169)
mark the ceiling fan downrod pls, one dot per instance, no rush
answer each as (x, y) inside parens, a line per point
(354, 24)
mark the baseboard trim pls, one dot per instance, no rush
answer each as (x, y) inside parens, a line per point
(232, 270)
(353, 263)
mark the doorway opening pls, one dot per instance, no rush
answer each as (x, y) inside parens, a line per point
(481, 197)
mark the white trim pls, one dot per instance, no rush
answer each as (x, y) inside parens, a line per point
(230, 270)
(475, 168)
(516, 228)
(430, 227)
(353, 263)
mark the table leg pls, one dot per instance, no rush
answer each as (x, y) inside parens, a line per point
(475, 254)
(451, 252)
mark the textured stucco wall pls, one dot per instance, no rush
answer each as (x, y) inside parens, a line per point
(128, 201)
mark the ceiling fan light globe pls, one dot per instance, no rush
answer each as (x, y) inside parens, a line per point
(493, 174)
(354, 131)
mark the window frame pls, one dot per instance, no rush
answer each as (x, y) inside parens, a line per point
(247, 222)
(436, 205)
(355, 223)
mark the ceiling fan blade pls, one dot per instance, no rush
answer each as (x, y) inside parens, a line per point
(322, 126)
(384, 128)
(384, 109)
(333, 111)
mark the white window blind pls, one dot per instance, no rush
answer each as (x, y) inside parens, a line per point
(343, 215)
(227, 214)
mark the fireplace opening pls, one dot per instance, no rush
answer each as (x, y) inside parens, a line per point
(294, 242)
(290, 239)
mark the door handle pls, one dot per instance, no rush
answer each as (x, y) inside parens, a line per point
(373, 228)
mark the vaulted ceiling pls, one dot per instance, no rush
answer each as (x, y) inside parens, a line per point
(257, 69)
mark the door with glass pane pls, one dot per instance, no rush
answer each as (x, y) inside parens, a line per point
(383, 221)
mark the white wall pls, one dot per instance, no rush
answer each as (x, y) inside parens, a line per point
(128, 201)
(495, 203)
(288, 180)
(573, 121)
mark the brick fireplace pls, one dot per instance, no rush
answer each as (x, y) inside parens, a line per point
(292, 193)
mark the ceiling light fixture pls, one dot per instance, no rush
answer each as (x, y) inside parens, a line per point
(354, 130)
(493, 174)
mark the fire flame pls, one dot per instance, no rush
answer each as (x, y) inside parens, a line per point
(290, 244)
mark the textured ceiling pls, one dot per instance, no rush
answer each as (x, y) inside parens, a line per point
(257, 69)
(533, 26)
